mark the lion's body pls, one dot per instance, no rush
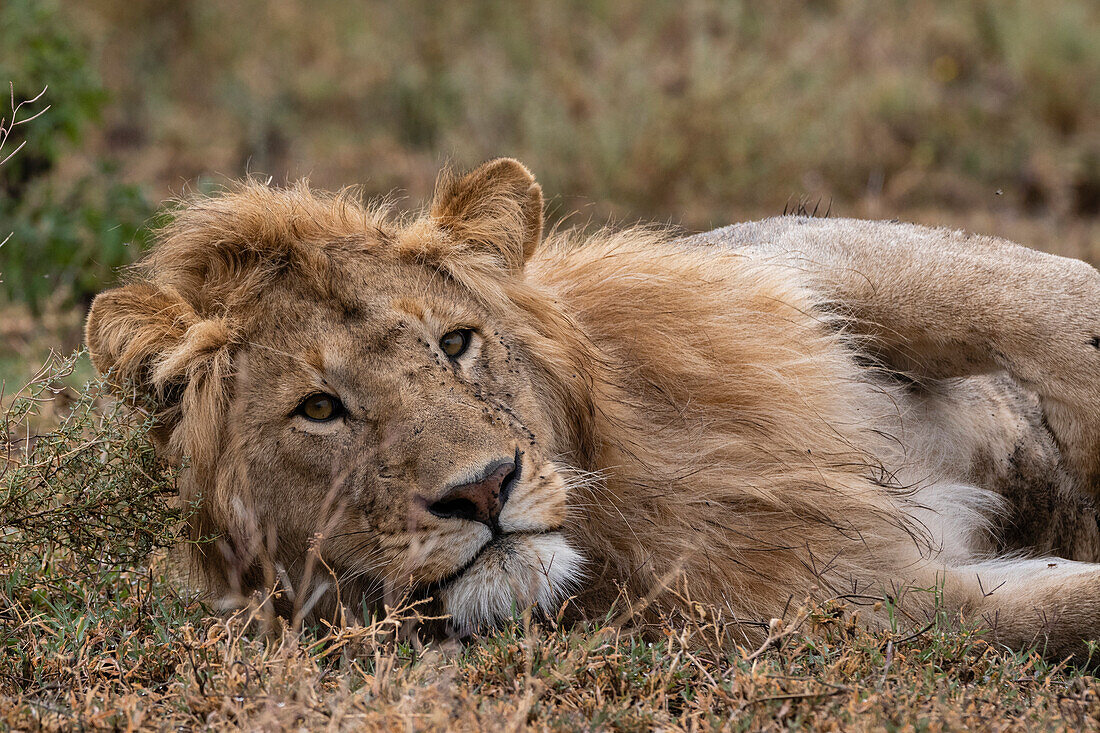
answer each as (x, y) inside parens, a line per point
(769, 454)
(781, 410)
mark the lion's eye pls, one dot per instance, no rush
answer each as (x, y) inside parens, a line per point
(320, 407)
(454, 343)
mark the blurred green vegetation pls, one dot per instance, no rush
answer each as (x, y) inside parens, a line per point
(70, 229)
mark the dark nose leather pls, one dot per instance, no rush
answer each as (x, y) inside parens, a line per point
(480, 500)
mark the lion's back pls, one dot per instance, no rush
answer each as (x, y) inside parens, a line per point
(786, 233)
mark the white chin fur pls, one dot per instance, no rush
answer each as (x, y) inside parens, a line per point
(516, 572)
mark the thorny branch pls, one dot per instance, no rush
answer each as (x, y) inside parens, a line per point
(9, 124)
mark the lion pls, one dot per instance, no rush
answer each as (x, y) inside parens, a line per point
(457, 405)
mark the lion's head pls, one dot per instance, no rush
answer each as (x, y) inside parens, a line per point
(391, 392)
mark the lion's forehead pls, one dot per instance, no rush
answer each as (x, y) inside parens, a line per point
(384, 351)
(362, 311)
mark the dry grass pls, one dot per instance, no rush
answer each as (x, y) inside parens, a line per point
(145, 659)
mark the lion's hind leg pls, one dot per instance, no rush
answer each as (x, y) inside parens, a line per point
(938, 304)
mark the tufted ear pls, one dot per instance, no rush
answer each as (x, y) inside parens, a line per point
(496, 208)
(153, 340)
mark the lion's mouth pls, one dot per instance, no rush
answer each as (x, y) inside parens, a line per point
(498, 543)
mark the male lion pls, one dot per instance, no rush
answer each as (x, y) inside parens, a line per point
(455, 405)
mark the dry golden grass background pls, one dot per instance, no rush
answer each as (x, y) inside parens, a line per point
(982, 114)
(698, 112)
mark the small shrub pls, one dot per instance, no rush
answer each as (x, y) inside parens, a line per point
(83, 503)
(89, 489)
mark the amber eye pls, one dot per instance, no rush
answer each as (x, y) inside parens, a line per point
(320, 407)
(454, 343)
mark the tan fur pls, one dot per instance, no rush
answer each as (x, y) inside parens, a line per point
(748, 417)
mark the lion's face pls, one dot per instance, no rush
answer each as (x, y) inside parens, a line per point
(365, 391)
(409, 412)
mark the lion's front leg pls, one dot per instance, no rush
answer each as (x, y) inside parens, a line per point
(1047, 603)
(937, 303)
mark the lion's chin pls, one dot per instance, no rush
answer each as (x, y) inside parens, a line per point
(512, 573)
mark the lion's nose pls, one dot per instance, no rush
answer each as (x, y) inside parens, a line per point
(480, 500)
